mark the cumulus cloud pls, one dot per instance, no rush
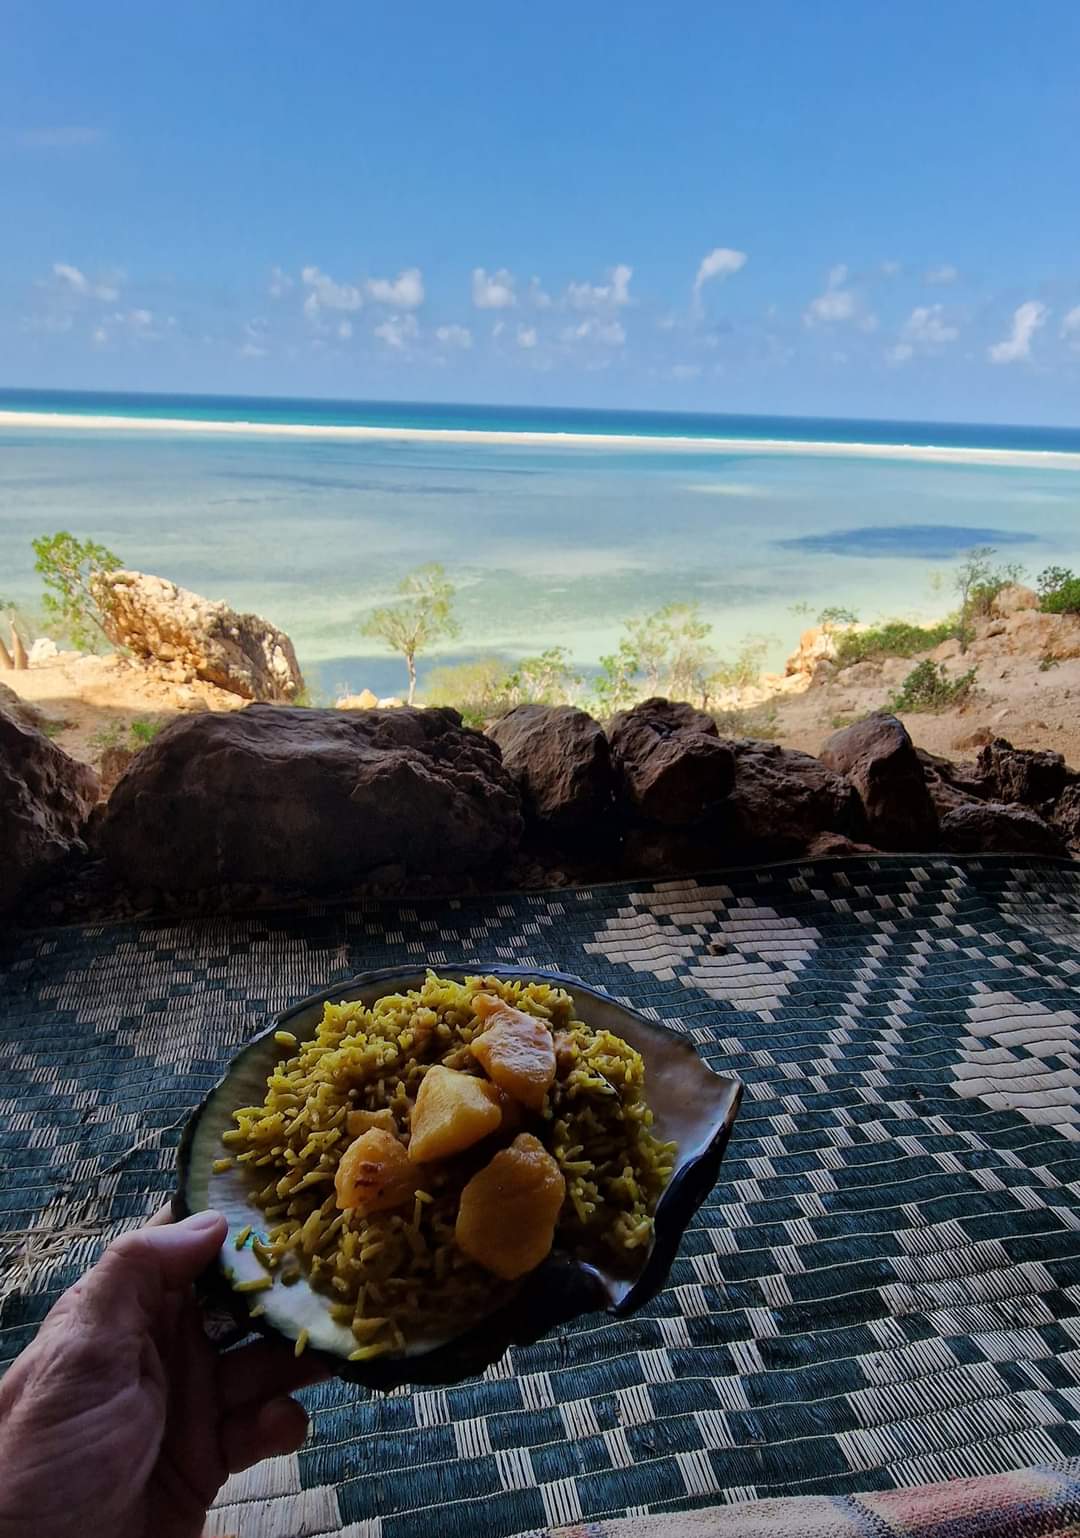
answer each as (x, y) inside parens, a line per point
(325, 293)
(344, 329)
(927, 324)
(612, 333)
(944, 274)
(721, 262)
(539, 298)
(398, 331)
(602, 296)
(62, 137)
(138, 325)
(527, 337)
(1070, 327)
(405, 292)
(1027, 318)
(454, 336)
(76, 282)
(494, 290)
(839, 304)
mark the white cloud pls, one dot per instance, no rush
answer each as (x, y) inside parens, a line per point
(398, 331)
(280, 283)
(721, 262)
(252, 350)
(891, 269)
(539, 298)
(838, 304)
(100, 336)
(137, 325)
(612, 333)
(59, 138)
(405, 292)
(454, 336)
(526, 337)
(76, 282)
(1070, 327)
(944, 274)
(926, 324)
(493, 291)
(344, 329)
(1027, 318)
(602, 296)
(324, 293)
(900, 353)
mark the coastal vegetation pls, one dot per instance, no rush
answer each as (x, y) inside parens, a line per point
(928, 687)
(1059, 591)
(421, 615)
(68, 567)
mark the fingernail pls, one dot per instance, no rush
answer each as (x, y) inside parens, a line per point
(208, 1219)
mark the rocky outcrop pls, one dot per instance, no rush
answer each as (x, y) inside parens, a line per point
(990, 827)
(782, 800)
(952, 785)
(193, 637)
(670, 761)
(879, 759)
(1020, 774)
(560, 760)
(45, 799)
(1014, 599)
(816, 645)
(21, 709)
(290, 800)
(365, 700)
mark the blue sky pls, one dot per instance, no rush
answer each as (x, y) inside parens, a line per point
(830, 208)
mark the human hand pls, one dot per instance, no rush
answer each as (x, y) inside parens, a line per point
(120, 1417)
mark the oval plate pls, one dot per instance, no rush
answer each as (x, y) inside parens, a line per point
(692, 1106)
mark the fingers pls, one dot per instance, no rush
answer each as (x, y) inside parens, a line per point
(140, 1267)
(264, 1370)
(251, 1434)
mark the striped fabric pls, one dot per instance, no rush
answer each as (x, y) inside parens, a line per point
(882, 1293)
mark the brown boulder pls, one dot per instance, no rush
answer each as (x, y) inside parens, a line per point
(952, 785)
(1014, 599)
(990, 827)
(1022, 774)
(310, 800)
(1066, 814)
(45, 799)
(21, 709)
(194, 637)
(1030, 634)
(878, 757)
(560, 760)
(672, 765)
(783, 799)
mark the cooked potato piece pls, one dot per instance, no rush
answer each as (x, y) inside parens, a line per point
(515, 1050)
(363, 1121)
(508, 1211)
(452, 1112)
(374, 1174)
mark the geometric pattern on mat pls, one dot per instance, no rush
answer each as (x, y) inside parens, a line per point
(883, 1289)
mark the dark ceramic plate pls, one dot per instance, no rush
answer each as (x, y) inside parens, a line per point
(693, 1107)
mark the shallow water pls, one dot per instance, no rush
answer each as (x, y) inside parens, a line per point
(547, 545)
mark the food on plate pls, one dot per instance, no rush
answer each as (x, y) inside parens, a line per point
(420, 1156)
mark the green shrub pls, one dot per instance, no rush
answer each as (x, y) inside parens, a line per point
(144, 732)
(894, 638)
(73, 600)
(928, 687)
(836, 617)
(1059, 591)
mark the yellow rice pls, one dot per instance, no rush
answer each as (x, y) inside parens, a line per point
(396, 1276)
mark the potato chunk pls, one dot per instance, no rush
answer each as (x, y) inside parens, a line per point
(363, 1121)
(452, 1112)
(516, 1051)
(374, 1174)
(506, 1220)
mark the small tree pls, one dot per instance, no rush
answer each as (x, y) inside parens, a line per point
(547, 679)
(73, 601)
(421, 615)
(977, 584)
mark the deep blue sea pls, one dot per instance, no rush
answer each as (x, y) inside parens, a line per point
(548, 544)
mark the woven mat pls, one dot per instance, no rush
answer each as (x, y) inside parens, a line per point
(883, 1290)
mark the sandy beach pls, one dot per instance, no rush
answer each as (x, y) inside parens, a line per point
(65, 421)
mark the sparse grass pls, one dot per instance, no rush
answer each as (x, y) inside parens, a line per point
(893, 638)
(753, 721)
(144, 731)
(929, 688)
(838, 722)
(1047, 662)
(109, 737)
(53, 729)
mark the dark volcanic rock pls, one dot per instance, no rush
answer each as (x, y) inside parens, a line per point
(878, 757)
(560, 760)
(783, 799)
(311, 800)
(1066, 814)
(1020, 774)
(45, 799)
(673, 767)
(952, 785)
(990, 827)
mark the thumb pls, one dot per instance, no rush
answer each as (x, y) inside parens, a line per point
(139, 1267)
